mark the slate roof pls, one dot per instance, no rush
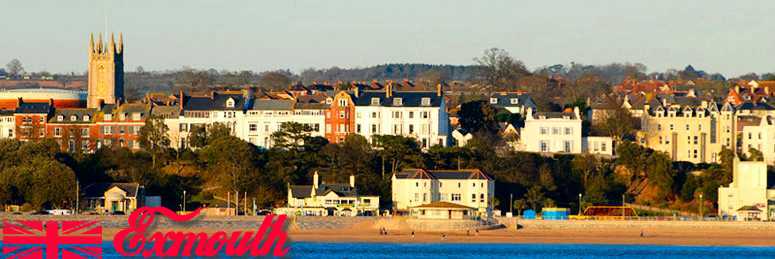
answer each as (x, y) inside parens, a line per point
(6, 112)
(504, 100)
(555, 115)
(305, 191)
(31, 108)
(301, 191)
(755, 106)
(215, 102)
(97, 190)
(408, 99)
(67, 113)
(463, 174)
(268, 104)
(165, 111)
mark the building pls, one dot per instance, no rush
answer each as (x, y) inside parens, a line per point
(114, 198)
(760, 137)
(7, 124)
(418, 114)
(598, 145)
(340, 118)
(329, 199)
(514, 102)
(689, 129)
(552, 132)
(60, 98)
(443, 210)
(106, 72)
(414, 189)
(749, 196)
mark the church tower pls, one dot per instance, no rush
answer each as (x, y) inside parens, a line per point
(106, 71)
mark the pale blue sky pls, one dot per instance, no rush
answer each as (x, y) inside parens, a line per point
(731, 37)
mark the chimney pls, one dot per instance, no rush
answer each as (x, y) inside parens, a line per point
(577, 112)
(212, 95)
(356, 91)
(315, 180)
(180, 100)
(19, 102)
(439, 91)
(737, 89)
(389, 89)
(352, 181)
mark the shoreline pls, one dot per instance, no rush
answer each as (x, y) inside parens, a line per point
(366, 230)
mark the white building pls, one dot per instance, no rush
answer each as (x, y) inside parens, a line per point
(7, 124)
(748, 197)
(760, 137)
(421, 115)
(412, 188)
(552, 132)
(598, 145)
(265, 117)
(329, 199)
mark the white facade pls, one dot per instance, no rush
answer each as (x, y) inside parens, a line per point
(598, 145)
(257, 125)
(748, 196)
(552, 132)
(762, 138)
(7, 126)
(470, 188)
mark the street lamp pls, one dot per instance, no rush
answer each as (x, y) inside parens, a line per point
(624, 214)
(579, 204)
(184, 201)
(511, 204)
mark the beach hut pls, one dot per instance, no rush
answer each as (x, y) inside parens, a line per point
(555, 213)
(529, 214)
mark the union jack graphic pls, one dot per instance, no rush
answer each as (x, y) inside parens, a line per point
(52, 239)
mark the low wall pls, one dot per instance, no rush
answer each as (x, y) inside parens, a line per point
(633, 224)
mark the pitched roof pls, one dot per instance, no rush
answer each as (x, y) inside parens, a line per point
(408, 98)
(301, 191)
(463, 174)
(98, 189)
(33, 108)
(79, 114)
(503, 99)
(269, 104)
(217, 101)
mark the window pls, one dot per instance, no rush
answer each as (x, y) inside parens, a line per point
(568, 131)
(425, 115)
(396, 115)
(555, 131)
(342, 103)
(411, 128)
(424, 197)
(373, 115)
(252, 127)
(544, 131)
(481, 197)
(373, 128)
(695, 140)
(494, 100)
(85, 132)
(230, 103)
(411, 115)
(107, 130)
(544, 146)
(375, 101)
(358, 128)
(341, 114)
(567, 146)
(108, 117)
(660, 139)
(514, 101)
(455, 197)
(425, 101)
(473, 198)
(671, 126)
(659, 126)
(60, 118)
(57, 132)
(137, 116)
(687, 127)
(397, 101)
(86, 118)
(73, 118)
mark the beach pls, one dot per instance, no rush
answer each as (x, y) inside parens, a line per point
(367, 229)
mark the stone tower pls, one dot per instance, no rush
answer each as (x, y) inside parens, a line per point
(106, 71)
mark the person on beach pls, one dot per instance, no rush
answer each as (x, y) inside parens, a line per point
(412, 234)
(443, 236)
(477, 232)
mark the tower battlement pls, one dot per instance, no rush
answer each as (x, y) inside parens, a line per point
(106, 71)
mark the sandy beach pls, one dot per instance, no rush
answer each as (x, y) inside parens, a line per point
(332, 229)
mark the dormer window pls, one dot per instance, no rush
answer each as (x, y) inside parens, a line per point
(342, 103)
(329, 101)
(107, 117)
(398, 102)
(494, 100)
(60, 118)
(73, 118)
(425, 101)
(375, 101)
(230, 103)
(86, 118)
(514, 100)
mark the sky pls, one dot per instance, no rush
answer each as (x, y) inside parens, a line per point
(730, 37)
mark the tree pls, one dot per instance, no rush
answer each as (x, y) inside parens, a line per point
(153, 137)
(140, 70)
(399, 150)
(200, 135)
(292, 135)
(15, 68)
(755, 155)
(535, 197)
(617, 122)
(275, 80)
(478, 116)
(431, 78)
(520, 205)
(497, 68)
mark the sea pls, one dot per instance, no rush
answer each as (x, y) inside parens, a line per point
(477, 250)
